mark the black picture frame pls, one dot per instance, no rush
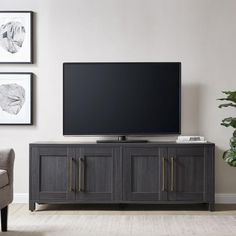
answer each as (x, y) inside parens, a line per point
(28, 48)
(29, 103)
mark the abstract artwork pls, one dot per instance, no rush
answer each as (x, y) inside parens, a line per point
(15, 98)
(16, 37)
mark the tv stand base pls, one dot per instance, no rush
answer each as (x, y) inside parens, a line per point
(122, 139)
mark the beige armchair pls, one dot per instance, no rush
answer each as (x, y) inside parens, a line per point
(6, 183)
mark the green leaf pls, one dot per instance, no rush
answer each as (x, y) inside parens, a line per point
(227, 105)
(230, 157)
(231, 96)
(233, 143)
(230, 121)
(232, 93)
(234, 133)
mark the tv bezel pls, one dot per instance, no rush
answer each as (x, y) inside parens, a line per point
(145, 134)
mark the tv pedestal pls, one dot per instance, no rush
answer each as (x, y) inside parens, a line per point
(122, 173)
(121, 139)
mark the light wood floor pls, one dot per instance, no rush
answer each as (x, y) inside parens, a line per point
(131, 221)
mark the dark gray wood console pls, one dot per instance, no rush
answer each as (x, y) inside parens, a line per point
(156, 173)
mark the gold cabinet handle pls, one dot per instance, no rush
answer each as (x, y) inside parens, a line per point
(81, 164)
(172, 174)
(70, 175)
(163, 174)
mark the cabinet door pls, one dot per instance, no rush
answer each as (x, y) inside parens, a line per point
(144, 176)
(51, 174)
(186, 174)
(98, 174)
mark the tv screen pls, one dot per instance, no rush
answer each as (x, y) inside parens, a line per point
(121, 98)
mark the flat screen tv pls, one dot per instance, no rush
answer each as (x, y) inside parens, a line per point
(122, 99)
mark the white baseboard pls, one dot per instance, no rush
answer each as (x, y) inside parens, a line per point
(21, 198)
(224, 198)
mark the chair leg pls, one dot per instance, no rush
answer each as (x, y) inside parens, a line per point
(4, 213)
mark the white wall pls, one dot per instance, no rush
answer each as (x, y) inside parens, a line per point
(199, 33)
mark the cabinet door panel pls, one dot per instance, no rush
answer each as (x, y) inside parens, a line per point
(144, 174)
(52, 174)
(143, 171)
(186, 174)
(98, 174)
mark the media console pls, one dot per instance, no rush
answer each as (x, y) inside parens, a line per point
(148, 173)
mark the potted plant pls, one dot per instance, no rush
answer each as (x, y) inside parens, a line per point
(230, 155)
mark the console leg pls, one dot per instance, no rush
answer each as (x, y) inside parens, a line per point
(211, 206)
(4, 213)
(31, 206)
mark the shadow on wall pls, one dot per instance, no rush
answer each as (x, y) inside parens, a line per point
(34, 100)
(219, 153)
(34, 43)
(191, 95)
(219, 163)
(225, 174)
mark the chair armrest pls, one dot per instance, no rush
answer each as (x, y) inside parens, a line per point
(7, 157)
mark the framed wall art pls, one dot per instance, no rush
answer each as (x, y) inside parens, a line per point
(15, 98)
(16, 37)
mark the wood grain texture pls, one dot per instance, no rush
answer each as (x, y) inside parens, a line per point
(142, 174)
(186, 174)
(49, 173)
(122, 173)
(100, 173)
